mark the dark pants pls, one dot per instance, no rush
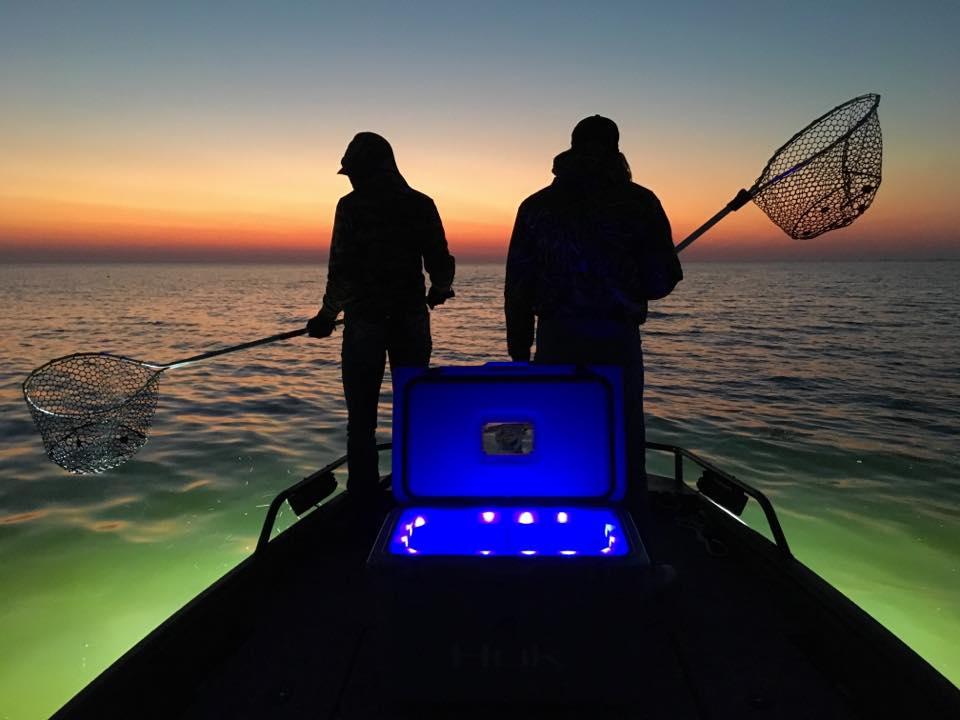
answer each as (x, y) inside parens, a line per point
(405, 339)
(601, 341)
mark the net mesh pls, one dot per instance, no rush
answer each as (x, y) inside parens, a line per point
(93, 410)
(830, 169)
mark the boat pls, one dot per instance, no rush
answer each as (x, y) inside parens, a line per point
(723, 620)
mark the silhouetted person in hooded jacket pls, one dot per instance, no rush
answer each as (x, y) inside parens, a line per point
(587, 253)
(384, 234)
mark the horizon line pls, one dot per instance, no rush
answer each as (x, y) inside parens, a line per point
(461, 260)
(56, 253)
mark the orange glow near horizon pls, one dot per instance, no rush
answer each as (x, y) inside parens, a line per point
(231, 226)
(128, 199)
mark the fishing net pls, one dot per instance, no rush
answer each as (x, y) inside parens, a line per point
(827, 174)
(93, 410)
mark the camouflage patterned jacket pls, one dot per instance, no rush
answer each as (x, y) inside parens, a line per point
(592, 243)
(384, 234)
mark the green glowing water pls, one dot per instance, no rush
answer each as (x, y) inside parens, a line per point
(832, 387)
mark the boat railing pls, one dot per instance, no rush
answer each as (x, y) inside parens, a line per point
(720, 487)
(725, 490)
(304, 495)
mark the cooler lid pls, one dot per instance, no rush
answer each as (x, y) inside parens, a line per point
(508, 431)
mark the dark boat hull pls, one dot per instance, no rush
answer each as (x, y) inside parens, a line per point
(294, 631)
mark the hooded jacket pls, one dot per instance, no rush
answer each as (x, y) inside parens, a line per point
(592, 243)
(385, 234)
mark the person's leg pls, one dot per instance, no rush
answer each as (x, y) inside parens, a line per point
(364, 358)
(632, 362)
(408, 340)
(637, 496)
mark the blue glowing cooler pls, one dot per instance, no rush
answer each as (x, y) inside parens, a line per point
(509, 571)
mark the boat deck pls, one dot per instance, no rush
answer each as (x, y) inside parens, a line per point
(292, 633)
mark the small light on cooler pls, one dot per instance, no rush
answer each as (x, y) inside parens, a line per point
(562, 517)
(489, 516)
(526, 518)
(420, 521)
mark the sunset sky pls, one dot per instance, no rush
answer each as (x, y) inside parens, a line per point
(189, 130)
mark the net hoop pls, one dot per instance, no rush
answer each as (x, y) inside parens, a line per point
(33, 378)
(93, 410)
(760, 185)
(827, 174)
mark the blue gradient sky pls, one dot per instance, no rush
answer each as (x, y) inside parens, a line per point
(215, 129)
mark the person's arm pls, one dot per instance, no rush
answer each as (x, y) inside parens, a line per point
(659, 259)
(518, 292)
(342, 266)
(437, 260)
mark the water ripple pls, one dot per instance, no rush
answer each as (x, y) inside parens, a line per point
(834, 387)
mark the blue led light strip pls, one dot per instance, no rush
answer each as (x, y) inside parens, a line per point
(525, 531)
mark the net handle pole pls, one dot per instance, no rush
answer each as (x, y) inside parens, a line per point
(243, 346)
(741, 199)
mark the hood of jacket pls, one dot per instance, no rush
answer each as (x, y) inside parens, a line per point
(581, 173)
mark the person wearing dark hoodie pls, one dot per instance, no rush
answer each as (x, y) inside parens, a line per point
(586, 255)
(384, 235)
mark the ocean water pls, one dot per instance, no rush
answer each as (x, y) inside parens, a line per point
(834, 387)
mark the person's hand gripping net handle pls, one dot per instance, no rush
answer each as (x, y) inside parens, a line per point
(438, 296)
(320, 326)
